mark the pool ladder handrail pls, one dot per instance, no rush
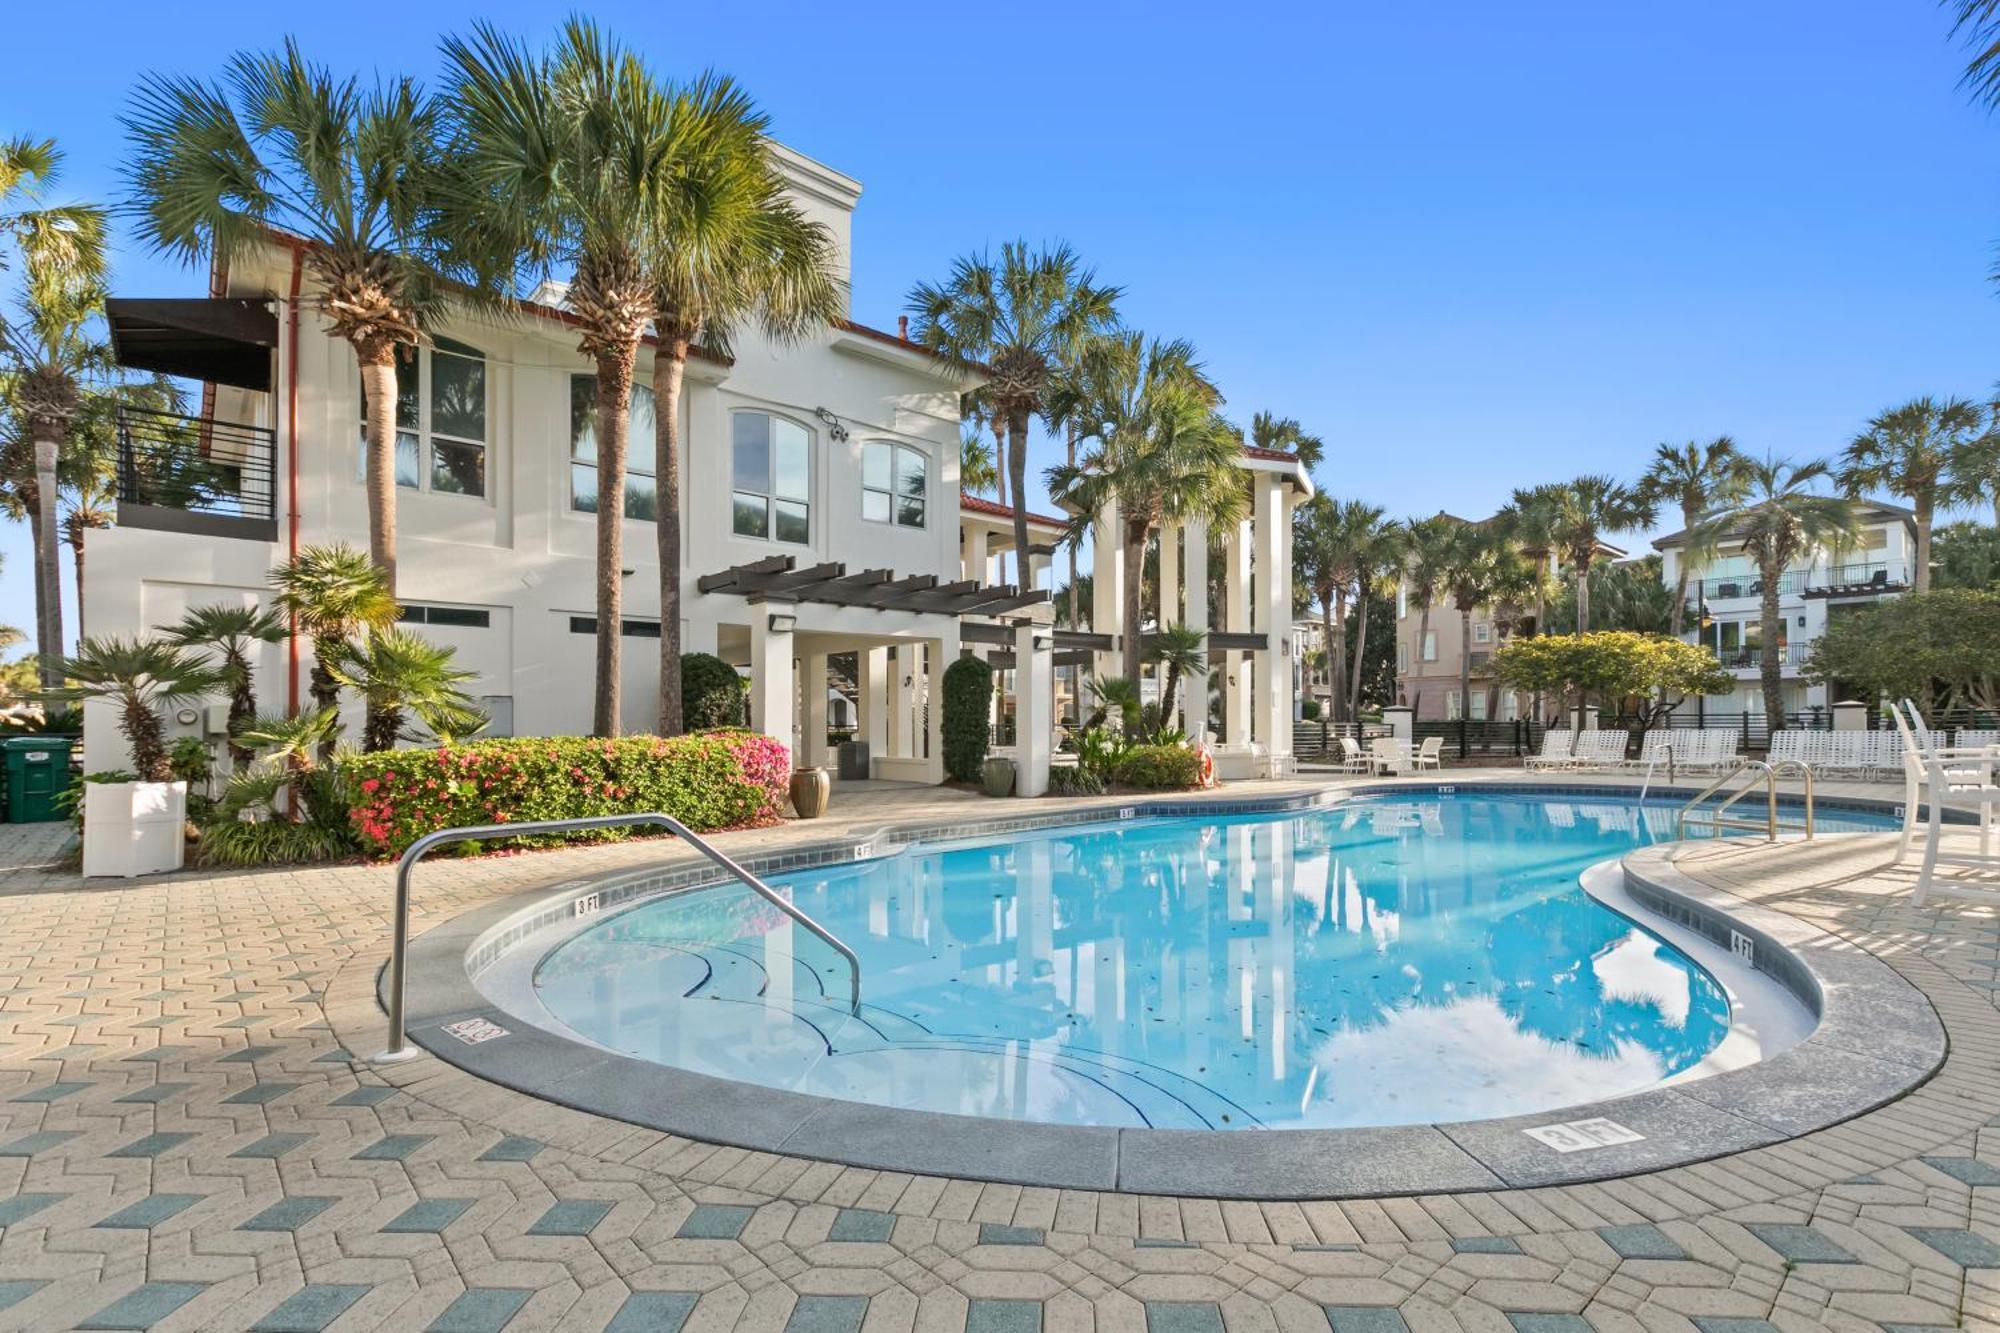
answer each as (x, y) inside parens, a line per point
(1665, 750)
(1768, 826)
(399, 948)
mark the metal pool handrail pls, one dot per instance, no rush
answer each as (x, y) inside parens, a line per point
(1770, 773)
(1664, 750)
(399, 949)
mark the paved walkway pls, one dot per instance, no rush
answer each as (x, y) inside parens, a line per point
(186, 1142)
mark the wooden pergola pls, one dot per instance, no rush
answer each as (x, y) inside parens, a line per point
(778, 578)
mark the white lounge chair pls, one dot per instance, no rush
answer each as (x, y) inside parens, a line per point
(1602, 750)
(1430, 754)
(1555, 752)
(1389, 754)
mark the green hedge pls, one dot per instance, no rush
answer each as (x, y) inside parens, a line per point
(1165, 767)
(712, 780)
(968, 705)
(711, 693)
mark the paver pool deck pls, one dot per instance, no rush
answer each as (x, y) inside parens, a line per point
(192, 1137)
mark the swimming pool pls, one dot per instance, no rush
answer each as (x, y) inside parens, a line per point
(1388, 961)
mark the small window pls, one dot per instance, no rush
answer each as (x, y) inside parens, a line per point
(627, 629)
(770, 459)
(469, 617)
(642, 492)
(440, 419)
(895, 484)
(1451, 705)
(1482, 632)
(1402, 657)
(1479, 706)
(1430, 645)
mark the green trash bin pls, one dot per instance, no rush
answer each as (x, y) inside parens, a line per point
(37, 774)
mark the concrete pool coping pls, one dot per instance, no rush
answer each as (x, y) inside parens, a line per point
(1877, 1038)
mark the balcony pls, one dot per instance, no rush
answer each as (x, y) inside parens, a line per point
(1752, 659)
(1859, 580)
(198, 475)
(1731, 587)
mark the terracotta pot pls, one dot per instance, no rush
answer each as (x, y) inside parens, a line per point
(811, 789)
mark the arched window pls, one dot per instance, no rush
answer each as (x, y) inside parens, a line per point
(895, 483)
(771, 467)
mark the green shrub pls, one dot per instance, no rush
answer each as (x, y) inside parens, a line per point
(711, 693)
(1163, 767)
(711, 780)
(1074, 780)
(1309, 710)
(968, 705)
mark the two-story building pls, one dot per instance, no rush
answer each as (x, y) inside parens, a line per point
(1725, 601)
(827, 551)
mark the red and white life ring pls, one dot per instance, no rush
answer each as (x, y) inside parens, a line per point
(1207, 768)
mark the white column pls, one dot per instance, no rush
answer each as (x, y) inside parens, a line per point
(771, 686)
(943, 652)
(1236, 697)
(1034, 706)
(895, 745)
(1194, 692)
(979, 556)
(872, 667)
(1107, 586)
(812, 687)
(1274, 609)
(1170, 575)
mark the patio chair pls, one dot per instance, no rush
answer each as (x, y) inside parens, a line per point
(1388, 754)
(1430, 754)
(1555, 751)
(1944, 775)
(1603, 750)
(1352, 758)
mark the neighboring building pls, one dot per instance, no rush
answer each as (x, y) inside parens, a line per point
(1725, 594)
(827, 551)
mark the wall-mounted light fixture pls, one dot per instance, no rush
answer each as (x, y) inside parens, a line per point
(780, 623)
(832, 423)
(1044, 642)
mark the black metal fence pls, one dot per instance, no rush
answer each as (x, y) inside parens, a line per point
(196, 465)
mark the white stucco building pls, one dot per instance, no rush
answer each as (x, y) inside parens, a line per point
(827, 552)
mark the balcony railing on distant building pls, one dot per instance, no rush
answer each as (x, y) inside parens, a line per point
(1732, 586)
(1853, 580)
(1746, 659)
(197, 475)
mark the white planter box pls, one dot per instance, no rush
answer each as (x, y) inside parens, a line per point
(134, 828)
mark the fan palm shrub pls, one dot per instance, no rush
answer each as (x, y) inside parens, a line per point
(332, 594)
(1177, 650)
(138, 677)
(403, 678)
(230, 633)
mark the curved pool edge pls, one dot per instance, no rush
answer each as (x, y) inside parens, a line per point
(1837, 1072)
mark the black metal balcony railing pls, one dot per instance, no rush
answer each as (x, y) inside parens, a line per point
(1731, 586)
(197, 475)
(1851, 579)
(1743, 659)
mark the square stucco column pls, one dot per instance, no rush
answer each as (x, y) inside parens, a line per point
(978, 557)
(1274, 613)
(943, 652)
(1034, 706)
(1194, 690)
(771, 683)
(812, 688)
(902, 669)
(1107, 587)
(872, 667)
(1236, 684)
(1170, 575)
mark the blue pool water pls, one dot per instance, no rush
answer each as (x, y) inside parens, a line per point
(1384, 962)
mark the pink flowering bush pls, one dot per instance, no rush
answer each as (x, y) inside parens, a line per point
(712, 780)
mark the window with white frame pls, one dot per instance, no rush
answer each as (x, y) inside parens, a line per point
(1482, 632)
(642, 494)
(1430, 645)
(771, 470)
(1451, 705)
(1402, 601)
(440, 419)
(1510, 707)
(1402, 657)
(1478, 705)
(895, 483)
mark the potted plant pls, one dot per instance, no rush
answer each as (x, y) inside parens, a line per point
(998, 776)
(135, 827)
(812, 787)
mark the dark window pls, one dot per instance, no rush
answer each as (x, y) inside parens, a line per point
(630, 629)
(468, 616)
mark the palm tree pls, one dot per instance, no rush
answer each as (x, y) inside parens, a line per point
(355, 173)
(1470, 570)
(1162, 455)
(1697, 477)
(730, 248)
(403, 676)
(1183, 651)
(1975, 476)
(1020, 319)
(1335, 546)
(1378, 563)
(1286, 435)
(1586, 509)
(332, 593)
(230, 632)
(1427, 555)
(140, 677)
(1977, 22)
(976, 473)
(571, 157)
(1917, 451)
(1779, 519)
(49, 354)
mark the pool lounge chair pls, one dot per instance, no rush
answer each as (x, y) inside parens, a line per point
(1963, 776)
(1430, 754)
(1555, 752)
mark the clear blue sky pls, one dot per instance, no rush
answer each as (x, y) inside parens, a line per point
(1472, 245)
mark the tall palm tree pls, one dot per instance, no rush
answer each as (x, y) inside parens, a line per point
(1779, 519)
(1975, 474)
(1378, 564)
(1019, 318)
(91, 506)
(1285, 435)
(1470, 571)
(1585, 510)
(729, 248)
(1427, 554)
(1161, 454)
(570, 155)
(230, 633)
(353, 171)
(1697, 477)
(139, 677)
(1336, 545)
(1917, 451)
(1977, 23)
(976, 473)
(332, 593)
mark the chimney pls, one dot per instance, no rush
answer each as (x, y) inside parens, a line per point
(903, 327)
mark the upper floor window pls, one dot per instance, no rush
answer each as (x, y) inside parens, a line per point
(771, 465)
(440, 419)
(642, 493)
(1430, 645)
(1482, 632)
(895, 479)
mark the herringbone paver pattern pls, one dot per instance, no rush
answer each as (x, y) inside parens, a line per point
(187, 1141)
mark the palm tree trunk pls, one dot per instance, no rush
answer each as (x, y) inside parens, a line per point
(147, 738)
(325, 690)
(1770, 667)
(1926, 510)
(614, 403)
(1580, 561)
(74, 532)
(1136, 532)
(669, 364)
(242, 711)
(1073, 622)
(1017, 467)
(48, 586)
(1336, 646)
(1169, 691)
(1362, 610)
(1417, 664)
(1000, 456)
(378, 408)
(1465, 663)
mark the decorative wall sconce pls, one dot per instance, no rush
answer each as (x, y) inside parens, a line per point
(832, 424)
